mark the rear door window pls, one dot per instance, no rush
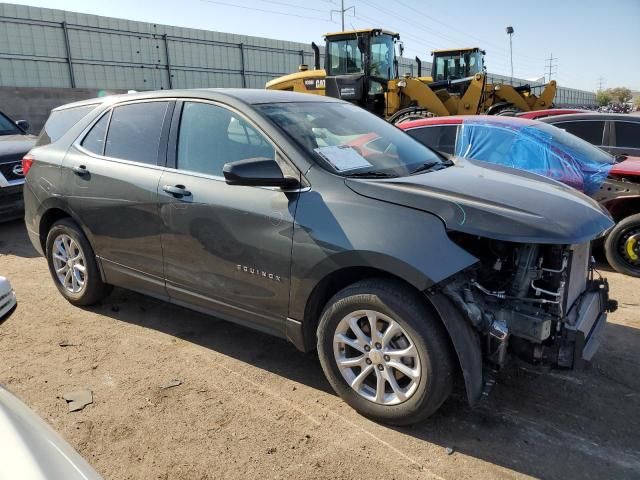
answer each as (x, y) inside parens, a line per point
(60, 121)
(627, 134)
(94, 141)
(591, 130)
(135, 130)
(441, 138)
(211, 136)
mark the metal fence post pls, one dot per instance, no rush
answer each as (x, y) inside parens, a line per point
(242, 71)
(69, 60)
(166, 51)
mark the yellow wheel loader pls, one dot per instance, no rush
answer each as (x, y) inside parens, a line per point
(361, 67)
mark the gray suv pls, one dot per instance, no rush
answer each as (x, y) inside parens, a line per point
(280, 211)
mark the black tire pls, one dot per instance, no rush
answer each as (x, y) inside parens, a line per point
(93, 289)
(407, 308)
(508, 112)
(409, 114)
(617, 243)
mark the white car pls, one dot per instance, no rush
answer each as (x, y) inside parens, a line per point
(7, 299)
(31, 449)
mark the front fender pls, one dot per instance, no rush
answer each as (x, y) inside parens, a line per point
(346, 230)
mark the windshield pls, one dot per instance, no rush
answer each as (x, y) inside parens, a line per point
(459, 65)
(7, 127)
(347, 140)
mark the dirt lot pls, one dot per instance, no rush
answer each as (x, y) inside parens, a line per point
(252, 406)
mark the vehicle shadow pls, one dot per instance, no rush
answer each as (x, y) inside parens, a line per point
(542, 423)
(15, 241)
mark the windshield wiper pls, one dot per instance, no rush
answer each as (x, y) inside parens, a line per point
(432, 166)
(371, 175)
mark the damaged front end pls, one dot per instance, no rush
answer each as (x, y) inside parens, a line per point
(539, 302)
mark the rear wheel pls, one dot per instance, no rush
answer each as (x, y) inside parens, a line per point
(384, 352)
(72, 264)
(622, 246)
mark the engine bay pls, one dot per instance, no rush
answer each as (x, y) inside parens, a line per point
(525, 299)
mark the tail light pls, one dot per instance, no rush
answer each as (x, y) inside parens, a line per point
(27, 161)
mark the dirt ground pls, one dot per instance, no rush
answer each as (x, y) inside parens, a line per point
(251, 406)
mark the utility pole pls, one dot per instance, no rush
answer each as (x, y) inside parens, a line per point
(342, 11)
(551, 65)
(600, 83)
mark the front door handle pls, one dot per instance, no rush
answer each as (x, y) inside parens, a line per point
(177, 191)
(80, 170)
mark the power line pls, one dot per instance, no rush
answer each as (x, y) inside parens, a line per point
(264, 10)
(451, 27)
(503, 58)
(287, 4)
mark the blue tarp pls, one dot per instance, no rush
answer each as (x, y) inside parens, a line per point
(537, 148)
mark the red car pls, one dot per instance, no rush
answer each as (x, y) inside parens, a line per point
(536, 114)
(538, 148)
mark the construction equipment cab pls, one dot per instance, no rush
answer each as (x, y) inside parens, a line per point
(359, 65)
(457, 63)
(357, 68)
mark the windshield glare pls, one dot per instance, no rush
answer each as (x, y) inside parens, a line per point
(346, 139)
(7, 127)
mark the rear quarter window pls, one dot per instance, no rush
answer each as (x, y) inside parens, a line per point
(60, 121)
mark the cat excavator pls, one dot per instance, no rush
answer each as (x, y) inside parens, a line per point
(361, 66)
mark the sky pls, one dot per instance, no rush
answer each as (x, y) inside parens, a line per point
(591, 41)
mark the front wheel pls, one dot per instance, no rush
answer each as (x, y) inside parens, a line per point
(622, 246)
(385, 352)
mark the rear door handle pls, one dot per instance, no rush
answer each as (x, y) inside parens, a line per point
(80, 170)
(177, 191)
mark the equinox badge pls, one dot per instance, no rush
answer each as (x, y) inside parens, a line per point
(258, 273)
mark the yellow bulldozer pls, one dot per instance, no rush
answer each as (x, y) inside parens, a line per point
(361, 67)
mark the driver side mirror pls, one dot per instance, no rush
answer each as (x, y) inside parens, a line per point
(257, 172)
(23, 124)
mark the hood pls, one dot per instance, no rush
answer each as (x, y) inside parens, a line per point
(495, 202)
(628, 167)
(15, 145)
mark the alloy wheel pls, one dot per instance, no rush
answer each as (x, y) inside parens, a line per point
(69, 263)
(377, 357)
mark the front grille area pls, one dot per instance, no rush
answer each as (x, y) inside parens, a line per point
(8, 170)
